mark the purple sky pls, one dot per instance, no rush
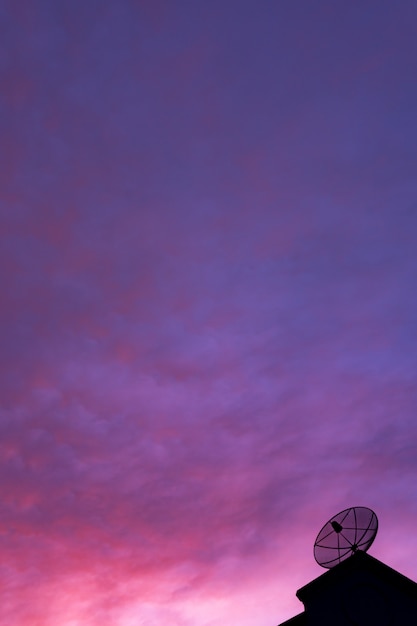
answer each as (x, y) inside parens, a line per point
(209, 310)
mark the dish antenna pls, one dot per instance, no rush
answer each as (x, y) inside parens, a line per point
(344, 534)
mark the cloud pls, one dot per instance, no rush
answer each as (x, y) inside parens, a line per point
(207, 320)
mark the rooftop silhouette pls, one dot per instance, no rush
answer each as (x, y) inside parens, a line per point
(359, 591)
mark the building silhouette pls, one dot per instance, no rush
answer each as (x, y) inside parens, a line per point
(359, 591)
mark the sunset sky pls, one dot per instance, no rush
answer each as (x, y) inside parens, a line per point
(208, 302)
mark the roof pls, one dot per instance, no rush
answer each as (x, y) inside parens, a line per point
(356, 567)
(298, 620)
(360, 561)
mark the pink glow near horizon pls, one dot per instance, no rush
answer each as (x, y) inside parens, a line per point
(209, 224)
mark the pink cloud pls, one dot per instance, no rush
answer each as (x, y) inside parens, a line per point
(208, 248)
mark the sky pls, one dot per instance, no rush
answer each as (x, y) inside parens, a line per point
(208, 302)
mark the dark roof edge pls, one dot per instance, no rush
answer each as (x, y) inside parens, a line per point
(297, 620)
(359, 561)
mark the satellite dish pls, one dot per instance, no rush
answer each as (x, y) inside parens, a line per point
(344, 534)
